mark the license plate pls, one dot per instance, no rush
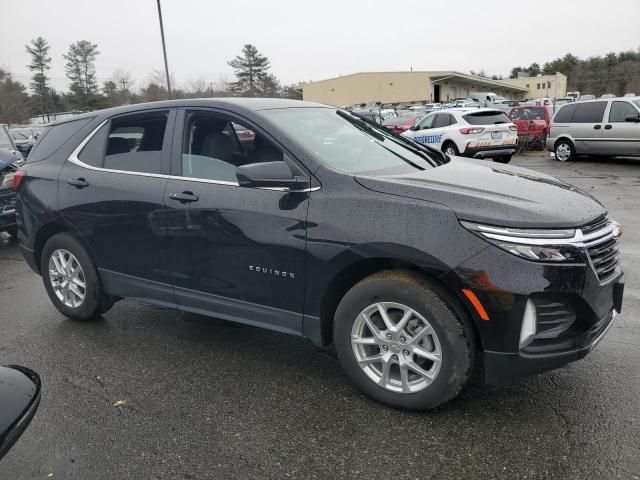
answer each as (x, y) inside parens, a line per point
(496, 135)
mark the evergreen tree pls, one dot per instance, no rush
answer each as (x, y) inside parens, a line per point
(269, 86)
(81, 70)
(40, 64)
(13, 100)
(249, 68)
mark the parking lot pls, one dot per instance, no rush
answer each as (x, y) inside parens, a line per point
(149, 392)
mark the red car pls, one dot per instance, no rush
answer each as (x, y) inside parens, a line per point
(401, 124)
(532, 122)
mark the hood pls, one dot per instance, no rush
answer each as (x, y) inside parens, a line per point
(494, 194)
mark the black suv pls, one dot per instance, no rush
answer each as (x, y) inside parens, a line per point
(415, 265)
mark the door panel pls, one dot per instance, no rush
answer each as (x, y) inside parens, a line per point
(242, 244)
(621, 137)
(237, 252)
(119, 214)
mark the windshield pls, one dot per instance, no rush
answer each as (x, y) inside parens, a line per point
(5, 141)
(527, 114)
(347, 144)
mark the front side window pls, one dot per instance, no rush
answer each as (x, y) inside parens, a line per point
(135, 142)
(348, 145)
(589, 112)
(619, 111)
(213, 147)
(427, 122)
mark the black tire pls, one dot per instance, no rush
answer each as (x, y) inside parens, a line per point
(543, 142)
(96, 301)
(454, 334)
(452, 146)
(503, 159)
(559, 145)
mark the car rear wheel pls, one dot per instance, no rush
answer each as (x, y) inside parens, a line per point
(71, 279)
(450, 149)
(564, 151)
(401, 343)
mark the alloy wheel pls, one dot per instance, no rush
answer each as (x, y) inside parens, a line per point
(67, 278)
(396, 347)
(563, 152)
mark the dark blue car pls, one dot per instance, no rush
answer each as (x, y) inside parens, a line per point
(10, 161)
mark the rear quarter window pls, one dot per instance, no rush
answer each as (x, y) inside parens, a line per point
(54, 137)
(565, 114)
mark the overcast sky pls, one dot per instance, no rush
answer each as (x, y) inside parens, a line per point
(317, 39)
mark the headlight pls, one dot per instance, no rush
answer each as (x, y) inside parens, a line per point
(542, 245)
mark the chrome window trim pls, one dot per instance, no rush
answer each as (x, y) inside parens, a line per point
(73, 158)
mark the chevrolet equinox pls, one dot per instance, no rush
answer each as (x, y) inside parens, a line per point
(417, 266)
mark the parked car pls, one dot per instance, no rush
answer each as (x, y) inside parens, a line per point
(505, 105)
(466, 103)
(626, 95)
(609, 127)
(20, 390)
(533, 124)
(10, 161)
(24, 139)
(584, 98)
(477, 133)
(402, 123)
(608, 95)
(413, 264)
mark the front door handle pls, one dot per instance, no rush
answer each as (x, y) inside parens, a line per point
(184, 197)
(78, 183)
(608, 127)
(597, 127)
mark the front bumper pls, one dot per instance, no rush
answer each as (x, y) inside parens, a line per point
(574, 310)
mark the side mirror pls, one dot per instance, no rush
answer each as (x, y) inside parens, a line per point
(413, 128)
(269, 174)
(19, 397)
(632, 118)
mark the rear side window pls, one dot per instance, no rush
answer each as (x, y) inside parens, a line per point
(442, 120)
(589, 112)
(93, 152)
(135, 142)
(565, 114)
(619, 110)
(54, 137)
(487, 118)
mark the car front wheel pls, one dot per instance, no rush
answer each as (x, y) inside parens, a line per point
(450, 149)
(506, 159)
(71, 279)
(401, 343)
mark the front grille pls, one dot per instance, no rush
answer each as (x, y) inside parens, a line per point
(602, 248)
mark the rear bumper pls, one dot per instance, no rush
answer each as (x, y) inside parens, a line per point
(490, 151)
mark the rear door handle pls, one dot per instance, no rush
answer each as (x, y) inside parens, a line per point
(184, 197)
(78, 183)
(597, 127)
(608, 127)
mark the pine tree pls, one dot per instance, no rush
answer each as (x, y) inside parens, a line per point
(269, 86)
(249, 68)
(81, 70)
(40, 64)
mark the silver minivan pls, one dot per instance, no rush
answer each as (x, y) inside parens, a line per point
(608, 127)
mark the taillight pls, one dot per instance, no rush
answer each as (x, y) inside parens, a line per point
(513, 128)
(18, 178)
(469, 131)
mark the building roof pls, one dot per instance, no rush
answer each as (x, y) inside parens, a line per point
(437, 75)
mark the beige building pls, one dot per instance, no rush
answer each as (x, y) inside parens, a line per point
(542, 86)
(406, 87)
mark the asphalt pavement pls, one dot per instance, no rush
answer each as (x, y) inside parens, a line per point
(148, 392)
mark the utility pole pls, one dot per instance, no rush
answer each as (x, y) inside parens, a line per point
(164, 49)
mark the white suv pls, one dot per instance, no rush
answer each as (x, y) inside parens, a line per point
(477, 133)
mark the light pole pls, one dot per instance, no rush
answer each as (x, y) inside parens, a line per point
(164, 50)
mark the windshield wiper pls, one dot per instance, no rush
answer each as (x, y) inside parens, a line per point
(423, 151)
(360, 123)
